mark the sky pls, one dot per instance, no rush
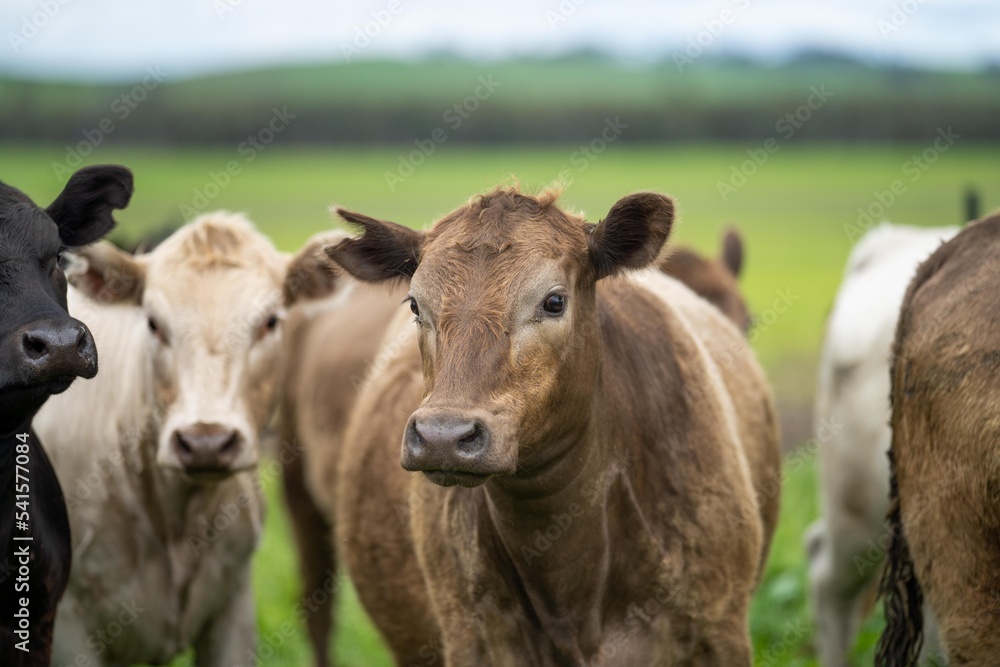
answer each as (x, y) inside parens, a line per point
(119, 39)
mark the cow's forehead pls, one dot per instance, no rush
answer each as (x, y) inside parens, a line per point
(215, 294)
(25, 229)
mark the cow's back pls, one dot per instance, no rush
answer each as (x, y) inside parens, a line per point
(946, 416)
(733, 373)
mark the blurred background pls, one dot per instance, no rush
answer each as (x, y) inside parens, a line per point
(802, 124)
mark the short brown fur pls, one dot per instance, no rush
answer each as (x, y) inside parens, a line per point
(666, 539)
(332, 352)
(946, 469)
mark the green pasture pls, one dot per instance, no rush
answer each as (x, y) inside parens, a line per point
(792, 211)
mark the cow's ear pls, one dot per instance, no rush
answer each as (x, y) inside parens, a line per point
(108, 275)
(311, 274)
(385, 251)
(82, 211)
(732, 251)
(632, 234)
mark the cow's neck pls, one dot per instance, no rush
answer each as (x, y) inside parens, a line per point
(554, 524)
(10, 430)
(174, 503)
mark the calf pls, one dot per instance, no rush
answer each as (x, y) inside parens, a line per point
(599, 451)
(42, 350)
(852, 416)
(944, 519)
(332, 351)
(160, 466)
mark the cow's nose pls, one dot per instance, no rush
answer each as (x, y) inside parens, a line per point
(205, 447)
(440, 441)
(59, 349)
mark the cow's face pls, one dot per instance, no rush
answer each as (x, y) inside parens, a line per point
(42, 348)
(213, 300)
(503, 295)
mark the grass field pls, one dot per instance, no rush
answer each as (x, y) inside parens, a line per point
(792, 211)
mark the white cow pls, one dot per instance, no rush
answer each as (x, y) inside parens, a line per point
(157, 455)
(846, 545)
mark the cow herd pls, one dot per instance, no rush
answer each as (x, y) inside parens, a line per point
(528, 439)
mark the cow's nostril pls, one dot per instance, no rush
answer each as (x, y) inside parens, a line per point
(183, 445)
(34, 348)
(471, 437)
(230, 444)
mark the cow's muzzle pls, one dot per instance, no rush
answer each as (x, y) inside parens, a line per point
(207, 449)
(55, 351)
(452, 448)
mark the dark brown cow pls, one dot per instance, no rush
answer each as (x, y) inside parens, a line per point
(713, 279)
(599, 454)
(328, 362)
(945, 457)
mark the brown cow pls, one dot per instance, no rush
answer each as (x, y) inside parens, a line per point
(945, 512)
(327, 364)
(600, 453)
(713, 279)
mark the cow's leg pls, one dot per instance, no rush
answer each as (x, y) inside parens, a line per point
(317, 558)
(840, 571)
(231, 637)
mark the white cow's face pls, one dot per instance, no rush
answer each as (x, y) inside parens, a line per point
(213, 297)
(214, 344)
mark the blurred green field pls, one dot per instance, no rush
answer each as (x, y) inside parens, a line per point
(792, 212)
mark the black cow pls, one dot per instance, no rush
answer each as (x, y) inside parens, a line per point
(42, 350)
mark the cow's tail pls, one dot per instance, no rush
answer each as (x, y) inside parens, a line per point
(900, 643)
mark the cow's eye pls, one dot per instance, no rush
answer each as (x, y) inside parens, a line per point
(413, 307)
(554, 304)
(268, 326)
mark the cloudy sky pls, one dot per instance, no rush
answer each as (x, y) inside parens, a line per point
(116, 39)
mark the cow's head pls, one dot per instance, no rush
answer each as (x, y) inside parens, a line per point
(213, 297)
(503, 295)
(42, 348)
(716, 279)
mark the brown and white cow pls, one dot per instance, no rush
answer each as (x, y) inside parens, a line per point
(945, 456)
(159, 461)
(333, 348)
(598, 446)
